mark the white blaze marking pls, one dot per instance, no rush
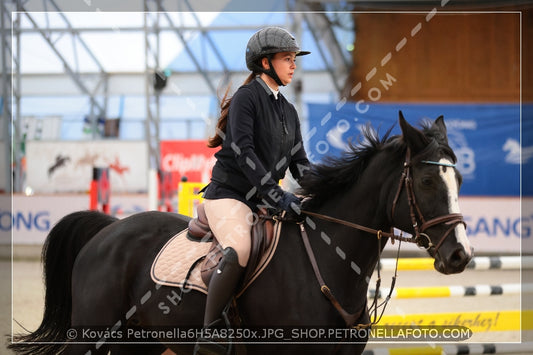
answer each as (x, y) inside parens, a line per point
(448, 175)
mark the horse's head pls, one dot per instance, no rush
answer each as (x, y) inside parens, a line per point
(426, 203)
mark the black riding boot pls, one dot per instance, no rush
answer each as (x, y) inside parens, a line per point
(220, 292)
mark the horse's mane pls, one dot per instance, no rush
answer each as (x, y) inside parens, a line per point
(337, 174)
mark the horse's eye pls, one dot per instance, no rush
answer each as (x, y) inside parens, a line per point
(427, 181)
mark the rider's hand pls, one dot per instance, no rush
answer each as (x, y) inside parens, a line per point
(292, 205)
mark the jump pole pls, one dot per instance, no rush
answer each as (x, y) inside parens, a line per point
(455, 349)
(454, 291)
(153, 197)
(99, 190)
(477, 263)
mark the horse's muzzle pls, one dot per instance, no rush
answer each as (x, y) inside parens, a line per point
(454, 262)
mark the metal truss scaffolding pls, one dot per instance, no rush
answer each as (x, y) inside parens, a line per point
(156, 17)
(151, 39)
(6, 103)
(94, 86)
(159, 16)
(321, 28)
(71, 67)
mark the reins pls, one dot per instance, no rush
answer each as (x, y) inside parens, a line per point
(406, 181)
(378, 233)
(350, 318)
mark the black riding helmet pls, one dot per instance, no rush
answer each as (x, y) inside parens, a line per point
(267, 42)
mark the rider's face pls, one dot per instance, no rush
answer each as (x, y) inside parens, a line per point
(284, 64)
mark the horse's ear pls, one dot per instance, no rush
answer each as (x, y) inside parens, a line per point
(414, 138)
(439, 123)
(440, 127)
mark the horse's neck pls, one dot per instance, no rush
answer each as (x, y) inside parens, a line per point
(365, 204)
(345, 260)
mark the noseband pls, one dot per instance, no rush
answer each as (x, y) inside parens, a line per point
(420, 237)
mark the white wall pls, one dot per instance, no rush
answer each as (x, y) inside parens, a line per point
(128, 163)
(4, 164)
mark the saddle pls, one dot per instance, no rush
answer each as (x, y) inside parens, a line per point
(262, 237)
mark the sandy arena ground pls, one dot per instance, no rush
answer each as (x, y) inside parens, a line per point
(27, 304)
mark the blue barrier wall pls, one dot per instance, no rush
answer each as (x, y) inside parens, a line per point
(486, 138)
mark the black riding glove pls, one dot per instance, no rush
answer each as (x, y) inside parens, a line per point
(292, 205)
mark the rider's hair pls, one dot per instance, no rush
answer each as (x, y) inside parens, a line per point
(220, 130)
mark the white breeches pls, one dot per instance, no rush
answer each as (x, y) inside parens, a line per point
(231, 222)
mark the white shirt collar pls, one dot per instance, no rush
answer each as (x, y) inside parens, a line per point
(275, 92)
(267, 88)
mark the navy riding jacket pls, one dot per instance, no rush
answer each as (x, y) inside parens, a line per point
(263, 139)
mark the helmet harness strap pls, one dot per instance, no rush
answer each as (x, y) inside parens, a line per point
(272, 72)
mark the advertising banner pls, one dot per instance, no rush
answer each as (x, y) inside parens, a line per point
(68, 166)
(32, 217)
(494, 224)
(191, 159)
(486, 138)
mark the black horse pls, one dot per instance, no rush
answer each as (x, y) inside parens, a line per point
(97, 268)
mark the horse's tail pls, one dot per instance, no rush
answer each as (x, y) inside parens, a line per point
(60, 249)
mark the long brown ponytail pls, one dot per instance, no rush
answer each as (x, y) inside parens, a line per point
(220, 130)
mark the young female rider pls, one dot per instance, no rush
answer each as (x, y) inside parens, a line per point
(259, 132)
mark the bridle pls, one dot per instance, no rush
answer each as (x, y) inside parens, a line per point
(420, 238)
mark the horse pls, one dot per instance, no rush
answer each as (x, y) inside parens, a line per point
(97, 268)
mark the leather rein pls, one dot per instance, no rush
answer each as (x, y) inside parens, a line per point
(420, 238)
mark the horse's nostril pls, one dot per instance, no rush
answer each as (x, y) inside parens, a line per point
(459, 258)
(458, 255)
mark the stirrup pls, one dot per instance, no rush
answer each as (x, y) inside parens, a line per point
(212, 345)
(208, 346)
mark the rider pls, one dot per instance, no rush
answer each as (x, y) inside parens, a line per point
(259, 132)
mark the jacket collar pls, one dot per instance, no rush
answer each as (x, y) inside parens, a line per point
(267, 88)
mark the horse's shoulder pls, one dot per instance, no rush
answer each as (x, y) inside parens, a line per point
(159, 215)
